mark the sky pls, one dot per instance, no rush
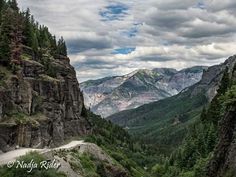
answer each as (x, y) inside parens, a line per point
(115, 37)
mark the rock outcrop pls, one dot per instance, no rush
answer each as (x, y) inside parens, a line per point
(41, 104)
(223, 162)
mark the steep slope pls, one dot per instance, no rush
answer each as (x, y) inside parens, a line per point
(208, 149)
(114, 94)
(223, 160)
(38, 110)
(40, 100)
(165, 121)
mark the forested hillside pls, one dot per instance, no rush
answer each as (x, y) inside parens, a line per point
(41, 105)
(165, 123)
(191, 134)
(209, 145)
(20, 31)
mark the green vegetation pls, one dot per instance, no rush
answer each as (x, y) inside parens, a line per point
(192, 157)
(22, 172)
(4, 75)
(23, 119)
(114, 140)
(163, 123)
(20, 32)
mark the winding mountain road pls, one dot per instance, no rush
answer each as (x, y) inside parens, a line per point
(12, 155)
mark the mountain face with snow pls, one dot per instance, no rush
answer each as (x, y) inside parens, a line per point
(110, 95)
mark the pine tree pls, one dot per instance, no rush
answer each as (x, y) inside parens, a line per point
(225, 82)
(53, 44)
(62, 50)
(44, 41)
(2, 4)
(16, 38)
(204, 114)
(211, 138)
(13, 5)
(214, 111)
(5, 40)
(28, 29)
(35, 44)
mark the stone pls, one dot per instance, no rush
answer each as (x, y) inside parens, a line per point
(44, 110)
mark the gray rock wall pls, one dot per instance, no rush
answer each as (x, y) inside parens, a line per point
(37, 110)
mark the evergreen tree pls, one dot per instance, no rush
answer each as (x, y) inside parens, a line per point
(62, 50)
(35, 44)
(53, 44)
(16, 38)
(28, 29)
(13, 5)
(225, 82)
(211, 138)
(44, 41)
(2, 4)
(204, 114)
(5, 40)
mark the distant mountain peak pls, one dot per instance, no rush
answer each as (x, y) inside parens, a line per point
(109, 95)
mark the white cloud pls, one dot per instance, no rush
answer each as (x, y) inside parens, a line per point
(172, 33)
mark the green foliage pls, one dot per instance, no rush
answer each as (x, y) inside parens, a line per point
(22, 172)
(192, 157)
(5, 40)
(88, 165)
(4, 75)
(158, 170)
(47, 62)
(163, 123)
(229, 99)
(120, 145)
(62, 50)
(18, 30)
(214, 112)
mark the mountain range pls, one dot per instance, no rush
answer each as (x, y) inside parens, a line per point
(188, 132)
(165, 122)
(110, 95)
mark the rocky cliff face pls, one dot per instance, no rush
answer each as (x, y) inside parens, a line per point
(211, 78)
(223, 162)
(41, 104)
(114, 94)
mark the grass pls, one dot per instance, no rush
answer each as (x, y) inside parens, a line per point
(28, 58)
(22, 172)
(48, 78)
(19, 118)
(5, 74)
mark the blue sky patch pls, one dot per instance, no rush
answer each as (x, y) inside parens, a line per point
(114, 12)
(124, 51)
(132, 32)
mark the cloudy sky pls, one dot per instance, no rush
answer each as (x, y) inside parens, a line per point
(115, 37)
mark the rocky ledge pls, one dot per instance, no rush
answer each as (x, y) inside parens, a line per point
(40, 104)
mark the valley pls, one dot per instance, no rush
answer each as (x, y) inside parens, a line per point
(158, 122)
